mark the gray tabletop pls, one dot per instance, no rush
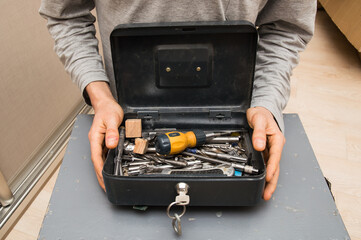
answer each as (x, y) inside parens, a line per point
(301, 208)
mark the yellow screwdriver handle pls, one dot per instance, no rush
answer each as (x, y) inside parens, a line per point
(176, 142)
(180, 141)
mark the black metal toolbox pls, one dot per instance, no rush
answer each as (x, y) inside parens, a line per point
(194, 75)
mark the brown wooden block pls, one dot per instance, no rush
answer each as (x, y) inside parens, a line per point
(141, 145)
(133, 128)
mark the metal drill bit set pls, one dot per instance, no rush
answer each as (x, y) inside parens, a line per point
(224, 154)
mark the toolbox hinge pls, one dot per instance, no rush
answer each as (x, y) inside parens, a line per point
(148, 115)
(220, 114)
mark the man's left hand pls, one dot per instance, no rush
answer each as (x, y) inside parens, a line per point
(268, 138)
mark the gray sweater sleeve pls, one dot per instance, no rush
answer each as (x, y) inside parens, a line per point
(72, 26)
(285, 27)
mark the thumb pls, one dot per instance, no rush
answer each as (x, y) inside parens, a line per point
(112, 135)
(259, 132)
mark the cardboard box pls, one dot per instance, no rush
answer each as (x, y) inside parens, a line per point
(347, 16)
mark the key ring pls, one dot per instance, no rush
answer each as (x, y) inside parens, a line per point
(179, 216)
(176, 223)
(182, 199)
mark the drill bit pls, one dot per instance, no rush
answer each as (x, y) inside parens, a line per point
(223, 156)
(129, 147)
(224, 139)
(118, 171)
(246, 168)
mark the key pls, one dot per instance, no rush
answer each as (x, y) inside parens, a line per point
(182, 198)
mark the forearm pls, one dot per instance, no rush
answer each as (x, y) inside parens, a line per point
(284, 30)
(99, 93)
(71, 25)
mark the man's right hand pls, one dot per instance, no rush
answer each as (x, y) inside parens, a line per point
(107, 119)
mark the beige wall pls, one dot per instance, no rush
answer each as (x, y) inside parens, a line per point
(36, 95)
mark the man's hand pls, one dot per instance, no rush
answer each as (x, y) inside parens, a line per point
(107, 119)
(268, 138)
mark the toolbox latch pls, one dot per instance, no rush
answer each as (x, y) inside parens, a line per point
(148, 115)
(220, 114)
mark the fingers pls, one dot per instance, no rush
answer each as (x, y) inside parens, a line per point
(271, 185)
(276, 143)
(267, 138)
(112, 134)
(259, 123)
(96, 139)
(108, 117)
(274, 152)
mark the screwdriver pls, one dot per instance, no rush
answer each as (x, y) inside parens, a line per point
(175, 142)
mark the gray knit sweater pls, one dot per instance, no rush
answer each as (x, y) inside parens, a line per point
(285, 27)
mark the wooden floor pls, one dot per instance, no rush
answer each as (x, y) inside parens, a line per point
(326, 93)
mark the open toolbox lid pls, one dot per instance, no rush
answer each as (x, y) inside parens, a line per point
(184, 67)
